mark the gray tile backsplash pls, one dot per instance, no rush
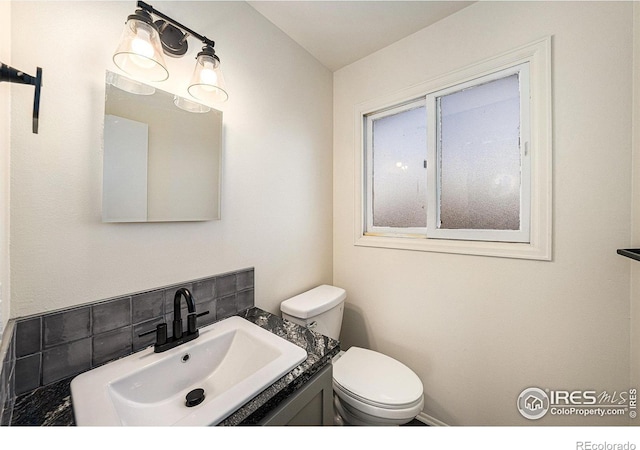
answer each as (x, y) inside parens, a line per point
(111, 315)
(245, 280)
(66, 326)
(53, 346)
(146, 306)
(111, 345)
(65, 360)
(28, 336)
(27, 372)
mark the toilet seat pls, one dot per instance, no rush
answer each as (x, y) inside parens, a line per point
(377, 385)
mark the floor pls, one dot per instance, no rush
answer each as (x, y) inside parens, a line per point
(415, 423)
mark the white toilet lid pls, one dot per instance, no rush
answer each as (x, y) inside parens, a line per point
(377, 377)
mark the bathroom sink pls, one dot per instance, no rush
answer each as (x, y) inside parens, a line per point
(231, 361)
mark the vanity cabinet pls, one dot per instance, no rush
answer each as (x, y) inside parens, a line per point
(311, 405)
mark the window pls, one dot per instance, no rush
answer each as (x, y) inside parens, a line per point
(480, 182)
(396, 162)
(462, 164)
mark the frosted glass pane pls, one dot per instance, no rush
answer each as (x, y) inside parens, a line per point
(480, 157)
(399, 175)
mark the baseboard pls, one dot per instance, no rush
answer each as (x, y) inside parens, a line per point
(431, 421)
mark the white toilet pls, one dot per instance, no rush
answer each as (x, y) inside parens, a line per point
(369, 388)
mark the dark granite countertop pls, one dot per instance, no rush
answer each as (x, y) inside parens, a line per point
(51, 405)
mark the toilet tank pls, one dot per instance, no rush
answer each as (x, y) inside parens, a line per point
(319, 309)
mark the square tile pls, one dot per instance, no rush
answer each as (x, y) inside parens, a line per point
(111, 315)
(244, 299)
(225, 285)
(203, 291)
(226, 307)
(111, 345)
(147, 306)
(207, 319)
(245, 279)
(27, 373)
(67, 326)
(28, 338)
(66, 360)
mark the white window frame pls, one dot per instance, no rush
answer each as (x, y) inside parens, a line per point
(537, 56)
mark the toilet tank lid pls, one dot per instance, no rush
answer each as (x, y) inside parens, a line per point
(313, 302)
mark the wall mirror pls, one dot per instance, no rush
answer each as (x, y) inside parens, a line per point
(162, 155)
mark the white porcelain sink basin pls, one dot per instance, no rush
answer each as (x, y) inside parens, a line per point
(232, 361)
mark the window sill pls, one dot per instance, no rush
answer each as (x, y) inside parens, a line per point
(540, 251)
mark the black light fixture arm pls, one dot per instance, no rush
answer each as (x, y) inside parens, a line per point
(151, 10)
(12, 75)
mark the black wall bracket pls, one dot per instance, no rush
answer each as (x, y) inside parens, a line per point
(16, 76)
(633, 253)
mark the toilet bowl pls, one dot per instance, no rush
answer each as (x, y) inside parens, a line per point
(370, 388)
(373, 389)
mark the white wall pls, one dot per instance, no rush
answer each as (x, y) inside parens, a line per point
(479, 330)
(5, 131)
(276, 201)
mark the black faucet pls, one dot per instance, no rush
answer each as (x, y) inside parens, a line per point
(177, 318)
(163, 343)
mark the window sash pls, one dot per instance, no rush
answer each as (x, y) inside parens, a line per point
(372, 229)
(434, 163)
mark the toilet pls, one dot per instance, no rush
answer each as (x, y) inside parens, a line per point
(369, 388)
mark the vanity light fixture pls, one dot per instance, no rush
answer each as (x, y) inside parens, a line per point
(144, 41)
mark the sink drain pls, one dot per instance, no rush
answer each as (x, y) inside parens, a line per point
(195, 397)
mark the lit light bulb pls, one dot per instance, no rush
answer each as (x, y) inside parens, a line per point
(207, 82)
(208, 76)
(141, 46)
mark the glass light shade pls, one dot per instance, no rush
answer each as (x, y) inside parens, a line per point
(207, 83)
(190, 106)
(140, 51)
(129, 85)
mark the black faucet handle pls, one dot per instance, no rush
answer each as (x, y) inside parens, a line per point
(177, 328)
(147, 333)
(191, 321)
(160, 331)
